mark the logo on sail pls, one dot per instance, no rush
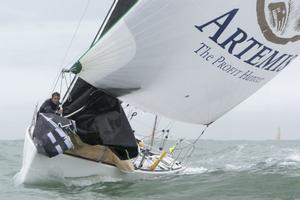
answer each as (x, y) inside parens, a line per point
(279, 20)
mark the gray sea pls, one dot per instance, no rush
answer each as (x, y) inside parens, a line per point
(219, 170)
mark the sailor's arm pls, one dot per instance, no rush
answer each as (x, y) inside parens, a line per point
(48, 109)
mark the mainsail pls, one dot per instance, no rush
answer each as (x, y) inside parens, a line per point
(190, 60)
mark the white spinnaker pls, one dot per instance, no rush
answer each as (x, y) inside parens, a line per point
(153, 48)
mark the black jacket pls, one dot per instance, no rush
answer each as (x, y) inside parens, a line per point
(49, 107)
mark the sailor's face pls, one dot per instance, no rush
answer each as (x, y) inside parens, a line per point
(55, 100)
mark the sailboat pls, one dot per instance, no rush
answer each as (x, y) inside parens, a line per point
(279, 134)
(190, 61)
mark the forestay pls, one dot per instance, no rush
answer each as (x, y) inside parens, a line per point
(193, 60)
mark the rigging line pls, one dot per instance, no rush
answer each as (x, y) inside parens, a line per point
(63, 79)
(140, 122)
(67, 93)
(70, 78)
(55, 83)
(146, 137)
(66, 81)
(198, 138)
(158, 121)
(170, 125)
(189, 154)
(61, 83)
(75, 33)
(72, 40)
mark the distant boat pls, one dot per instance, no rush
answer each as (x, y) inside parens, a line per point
(190, 61)
(279, 134)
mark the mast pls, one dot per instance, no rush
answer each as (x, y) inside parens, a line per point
(153, 131)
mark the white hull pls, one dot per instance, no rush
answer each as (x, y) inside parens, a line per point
(37, 167)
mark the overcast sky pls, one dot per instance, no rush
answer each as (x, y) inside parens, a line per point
(34, 38)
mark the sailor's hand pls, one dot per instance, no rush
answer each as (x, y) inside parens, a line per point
(60, 111)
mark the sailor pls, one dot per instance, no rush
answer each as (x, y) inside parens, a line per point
(52, 105)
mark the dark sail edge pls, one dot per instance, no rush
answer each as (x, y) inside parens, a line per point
(122, 7)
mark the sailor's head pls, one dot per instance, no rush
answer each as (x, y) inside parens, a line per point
(55, 98)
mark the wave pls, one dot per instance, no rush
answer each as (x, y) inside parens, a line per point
(294, 157)
(88, 181)
(195, 170)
